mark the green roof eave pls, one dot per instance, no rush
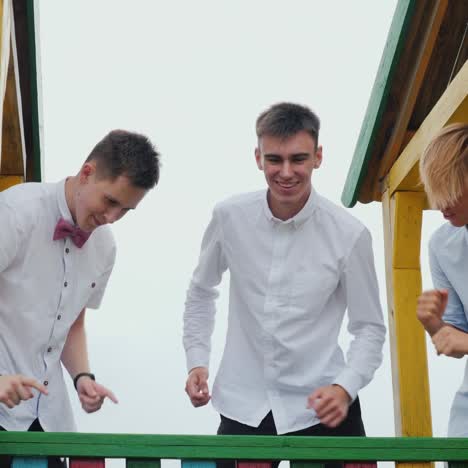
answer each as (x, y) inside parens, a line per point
(378, 101)
(37, 171)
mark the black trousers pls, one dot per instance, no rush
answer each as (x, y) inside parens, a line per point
(54, 462)
(351, 426)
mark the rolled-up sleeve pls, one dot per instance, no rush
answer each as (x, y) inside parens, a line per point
(199, 315)
(366, 322)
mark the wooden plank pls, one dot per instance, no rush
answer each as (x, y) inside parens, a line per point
(411, 92)
(410, 449)
(360, 465)
(25, 462)
(9, 181)
(402, 234)
(142, 463)
(399, 30)
(35, 160)
(451, 107)
(12, 155)
(410, 338)
(87, 463)
(198, 464)
(458, 464)
(253, 464)
(407, 229)
(304, 464)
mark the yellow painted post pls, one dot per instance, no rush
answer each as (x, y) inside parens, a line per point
(402, 215)
(9, 181)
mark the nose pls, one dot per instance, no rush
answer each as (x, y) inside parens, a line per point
(112, 215)
(286, 170)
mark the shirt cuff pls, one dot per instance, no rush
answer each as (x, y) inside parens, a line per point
(350, 380)
(197, 357)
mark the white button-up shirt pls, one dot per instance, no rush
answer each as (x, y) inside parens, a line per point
(448, 256)
(290, 284)
(44, 285)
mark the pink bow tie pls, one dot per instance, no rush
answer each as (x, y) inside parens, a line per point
(64, 229)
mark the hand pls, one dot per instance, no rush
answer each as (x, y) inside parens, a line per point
(451, 342)
(430, 309)
(196, 386)
(92, 394)
(16, 388)
(331, 404)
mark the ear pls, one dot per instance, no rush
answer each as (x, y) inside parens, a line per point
(258, 158)
(87, 170)
(318, 157)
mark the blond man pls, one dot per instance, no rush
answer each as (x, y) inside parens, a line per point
(444, 311)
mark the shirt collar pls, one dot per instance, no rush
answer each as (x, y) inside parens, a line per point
(301, 217)
(64, 210)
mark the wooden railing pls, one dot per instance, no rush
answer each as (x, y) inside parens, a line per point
(31, 449)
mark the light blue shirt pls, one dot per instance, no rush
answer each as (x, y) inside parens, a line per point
(448, 256)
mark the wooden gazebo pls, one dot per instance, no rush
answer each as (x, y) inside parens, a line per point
(421, 86)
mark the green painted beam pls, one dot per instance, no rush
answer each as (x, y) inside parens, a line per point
(36, 130)
(378, 101)
(234, 447)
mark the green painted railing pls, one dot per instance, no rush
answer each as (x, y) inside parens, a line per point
(141, 450)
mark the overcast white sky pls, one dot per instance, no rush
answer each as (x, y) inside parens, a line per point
(193, 76)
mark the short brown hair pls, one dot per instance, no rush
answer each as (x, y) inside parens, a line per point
(444, 166)
(131, 154)
(285, 119)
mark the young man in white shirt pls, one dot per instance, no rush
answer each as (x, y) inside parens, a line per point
(296, 263)
(56, 256)
(444, 311)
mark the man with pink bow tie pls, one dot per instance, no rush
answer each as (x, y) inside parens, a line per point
(56, 256)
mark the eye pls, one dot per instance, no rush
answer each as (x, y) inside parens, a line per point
(111, 201)
(273, 159)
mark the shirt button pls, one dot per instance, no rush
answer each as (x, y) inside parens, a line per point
(93, 285)
(46, 382)
(67, 250)
(59, 317)
(49, 349)
(65, 284)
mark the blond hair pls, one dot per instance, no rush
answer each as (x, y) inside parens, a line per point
(444, 166)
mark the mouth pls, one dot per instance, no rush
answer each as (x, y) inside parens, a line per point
(448, 215)
(96, 221)
(287, 185)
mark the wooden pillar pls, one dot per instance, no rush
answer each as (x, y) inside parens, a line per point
(402, 214)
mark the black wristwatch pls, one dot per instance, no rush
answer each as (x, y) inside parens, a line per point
(82, 374)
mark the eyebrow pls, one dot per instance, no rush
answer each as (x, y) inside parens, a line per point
(274, 155)
(114, 200)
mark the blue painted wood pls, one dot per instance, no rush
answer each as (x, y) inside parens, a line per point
(29, 462)
(198, 464)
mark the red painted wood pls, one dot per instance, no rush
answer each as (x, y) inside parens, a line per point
(253, 464)
(360, 465)
(87, 463)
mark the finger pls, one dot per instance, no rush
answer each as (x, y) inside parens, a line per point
(105, 393)
(14, 397)
(444, 298)
(9, 403)
(30, 382)
(24, 392)
(200, 402)
(92, 408)
(87, 400)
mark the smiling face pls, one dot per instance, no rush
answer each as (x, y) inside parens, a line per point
(457, 213)
(97, 201)
(288, 164)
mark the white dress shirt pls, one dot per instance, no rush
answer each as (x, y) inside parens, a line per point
(44, 285)
(290, 284)
(448, 256)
